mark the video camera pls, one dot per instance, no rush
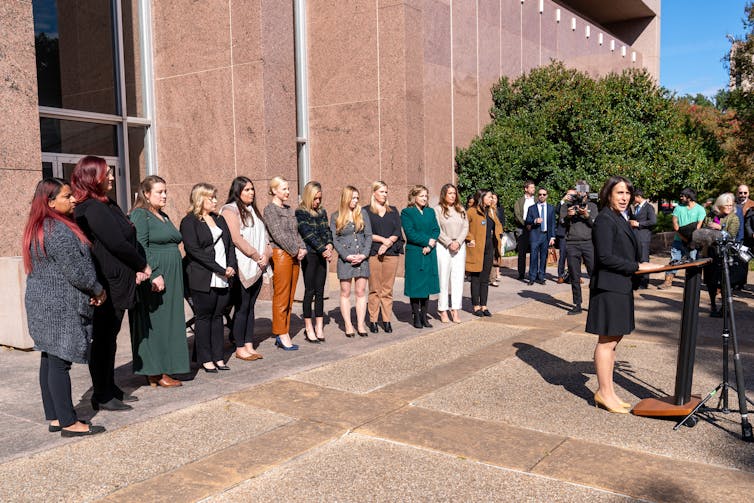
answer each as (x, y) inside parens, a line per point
(725, 242)
(581, 198)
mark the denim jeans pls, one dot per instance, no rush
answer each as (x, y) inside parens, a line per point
(678, 250)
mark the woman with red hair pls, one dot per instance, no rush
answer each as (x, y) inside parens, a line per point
(61, 292)
(121, 264)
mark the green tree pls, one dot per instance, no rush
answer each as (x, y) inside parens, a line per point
(555, 125)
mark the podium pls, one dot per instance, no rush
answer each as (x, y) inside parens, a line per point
(681, 403)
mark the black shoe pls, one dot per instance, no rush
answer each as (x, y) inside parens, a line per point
(350, 335)
(129, 398)
(530, 282)
(541, 281)
(521, 278)
(93, 430)
(425, 322)
(418, 321)
(373, 327)
(486, 312)
(387, 327)
(311, 341)
(112, 404)
(575, 310)
(55, 429)
(478, 312)
(716, 313)
(208, 370)
(221, 367)
(362, 334)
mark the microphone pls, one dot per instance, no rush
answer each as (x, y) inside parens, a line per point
(701, 239)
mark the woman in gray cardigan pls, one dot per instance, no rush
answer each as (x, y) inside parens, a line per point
(352, 239)
(61, 292)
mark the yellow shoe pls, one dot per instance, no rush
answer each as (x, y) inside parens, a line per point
(599, 402)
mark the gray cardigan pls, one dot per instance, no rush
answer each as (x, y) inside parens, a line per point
(57, 295)
(348, 243)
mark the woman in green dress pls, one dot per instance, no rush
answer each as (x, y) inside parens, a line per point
(158, 323)
(422, 230)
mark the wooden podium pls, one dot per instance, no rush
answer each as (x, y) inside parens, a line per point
(682, 402)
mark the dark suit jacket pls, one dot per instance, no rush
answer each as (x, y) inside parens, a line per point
(647, 219)
(199, 263)
(117, 254)
(536, 235)
(616, 251)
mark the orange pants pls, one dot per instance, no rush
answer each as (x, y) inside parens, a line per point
(284, 278)
(381, 280)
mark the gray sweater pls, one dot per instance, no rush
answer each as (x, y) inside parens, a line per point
(57, 295)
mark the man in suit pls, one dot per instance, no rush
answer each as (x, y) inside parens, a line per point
(642, 221)
(520, 210)
(540, 222)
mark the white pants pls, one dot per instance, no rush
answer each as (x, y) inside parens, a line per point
(451, 269)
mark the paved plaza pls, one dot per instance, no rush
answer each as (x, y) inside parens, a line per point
(494, 409)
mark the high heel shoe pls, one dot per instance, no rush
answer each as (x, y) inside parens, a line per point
(362, 334)
(387, 327)
(210, 370)
(311, 341)
(279, 343)
(599, 402)
(444, 317)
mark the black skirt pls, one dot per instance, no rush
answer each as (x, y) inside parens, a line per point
(610, 313)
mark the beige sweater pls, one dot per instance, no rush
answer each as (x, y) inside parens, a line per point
(453, 227)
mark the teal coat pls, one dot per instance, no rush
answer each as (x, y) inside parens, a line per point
(421, 270)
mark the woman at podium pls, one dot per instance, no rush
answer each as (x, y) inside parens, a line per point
(611, 301)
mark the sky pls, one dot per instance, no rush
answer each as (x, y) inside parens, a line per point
(693, 42)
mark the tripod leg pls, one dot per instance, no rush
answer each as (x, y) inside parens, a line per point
(699, 406)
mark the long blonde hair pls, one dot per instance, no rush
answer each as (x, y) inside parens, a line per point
(345, 214)
(378, 184)
(307, 198)
(198, 193)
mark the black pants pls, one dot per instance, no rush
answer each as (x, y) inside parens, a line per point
(562, 256)
(579, 252)
(209, 330)
(644, 252)
(522, 248)
(55, 383)
(243, 314)
(480, 281)
(106, 325)
(315, 275)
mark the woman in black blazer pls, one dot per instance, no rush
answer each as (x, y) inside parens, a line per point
(121, 265)
(210, 263)
(611, 301)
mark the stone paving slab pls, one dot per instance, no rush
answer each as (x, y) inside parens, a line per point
(397, 362)
(653, 478)
(352, 467)
(95, 466)
(549, 388)
(316, 403)
(228, 467)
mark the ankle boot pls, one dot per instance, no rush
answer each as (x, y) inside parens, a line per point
(667, 283)
(416, 314)
(424, 320)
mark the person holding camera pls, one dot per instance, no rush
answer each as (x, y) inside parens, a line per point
(577, 215)
(560, 237)
(642, 220)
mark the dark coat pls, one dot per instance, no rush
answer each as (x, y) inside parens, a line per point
(536, 235)
(116, 252)
(647, 219)
(616, 253)
(199, 262)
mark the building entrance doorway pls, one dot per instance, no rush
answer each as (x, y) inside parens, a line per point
(61, 166)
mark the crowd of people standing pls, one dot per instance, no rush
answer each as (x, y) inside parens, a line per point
(79, 246)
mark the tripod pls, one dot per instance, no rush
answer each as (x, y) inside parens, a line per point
(729, 332)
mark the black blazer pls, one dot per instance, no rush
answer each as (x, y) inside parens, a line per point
(647, 219)
(117, 254)
(616, 253)
(199, 263)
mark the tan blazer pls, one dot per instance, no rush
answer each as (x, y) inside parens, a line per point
(478, 234)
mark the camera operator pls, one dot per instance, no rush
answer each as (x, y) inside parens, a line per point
(578, 214)
(642, 220)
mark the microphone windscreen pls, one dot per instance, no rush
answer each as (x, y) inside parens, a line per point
(702, 238)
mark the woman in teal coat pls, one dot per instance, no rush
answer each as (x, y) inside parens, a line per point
(422, 230)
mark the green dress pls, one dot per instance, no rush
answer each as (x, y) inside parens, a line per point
(422, 279)
(158, 323)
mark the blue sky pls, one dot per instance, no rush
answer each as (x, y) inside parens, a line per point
(693, 43)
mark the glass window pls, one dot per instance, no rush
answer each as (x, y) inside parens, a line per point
(75, 57)
(136, 158)
(132, 60)
(74, 137)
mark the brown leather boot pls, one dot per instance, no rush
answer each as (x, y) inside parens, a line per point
(667, 283)
(164, 380)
